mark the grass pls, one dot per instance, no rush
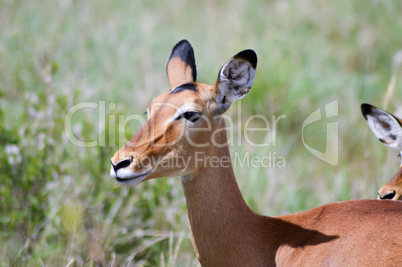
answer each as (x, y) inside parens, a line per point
(58, 205)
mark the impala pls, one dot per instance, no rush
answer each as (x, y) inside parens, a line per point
(387, 128)
(186, 123)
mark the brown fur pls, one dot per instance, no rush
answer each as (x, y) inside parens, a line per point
(176, 77)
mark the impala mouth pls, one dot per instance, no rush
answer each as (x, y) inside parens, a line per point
(131, 179)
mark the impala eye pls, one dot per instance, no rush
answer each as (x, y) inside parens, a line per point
(190, 116)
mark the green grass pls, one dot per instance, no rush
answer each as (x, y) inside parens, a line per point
(58, 204)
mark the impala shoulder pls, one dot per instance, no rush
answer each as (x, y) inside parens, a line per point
(365, 207)
(372, 206)
(343, 209)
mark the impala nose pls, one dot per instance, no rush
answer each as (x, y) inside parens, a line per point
(388, 195)
(122, 164)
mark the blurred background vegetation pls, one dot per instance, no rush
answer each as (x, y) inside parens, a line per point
(58, 205)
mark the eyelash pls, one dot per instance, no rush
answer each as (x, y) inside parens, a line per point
(190, 116)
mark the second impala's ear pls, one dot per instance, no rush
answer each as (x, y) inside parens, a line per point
(235, 79)
(384, 125)
(180, 67)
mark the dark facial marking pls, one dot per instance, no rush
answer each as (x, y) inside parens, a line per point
(183, 87)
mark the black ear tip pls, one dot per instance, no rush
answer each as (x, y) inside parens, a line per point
(183, 42)
(366, 109)
(182, 47)
(185, 52)
(248, 55)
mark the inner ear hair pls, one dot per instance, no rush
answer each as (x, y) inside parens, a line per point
(235, 79)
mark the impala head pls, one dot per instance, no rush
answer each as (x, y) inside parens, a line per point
(184, 120)
(387, 128)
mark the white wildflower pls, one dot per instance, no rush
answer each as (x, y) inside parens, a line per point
(13, 154)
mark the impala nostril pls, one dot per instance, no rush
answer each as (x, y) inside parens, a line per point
(389, 195)
(122, 164)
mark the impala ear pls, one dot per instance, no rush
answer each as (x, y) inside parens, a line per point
(235, 79)
(385, 126)
(180, 67)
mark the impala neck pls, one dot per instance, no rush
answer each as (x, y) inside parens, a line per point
(222, 225)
